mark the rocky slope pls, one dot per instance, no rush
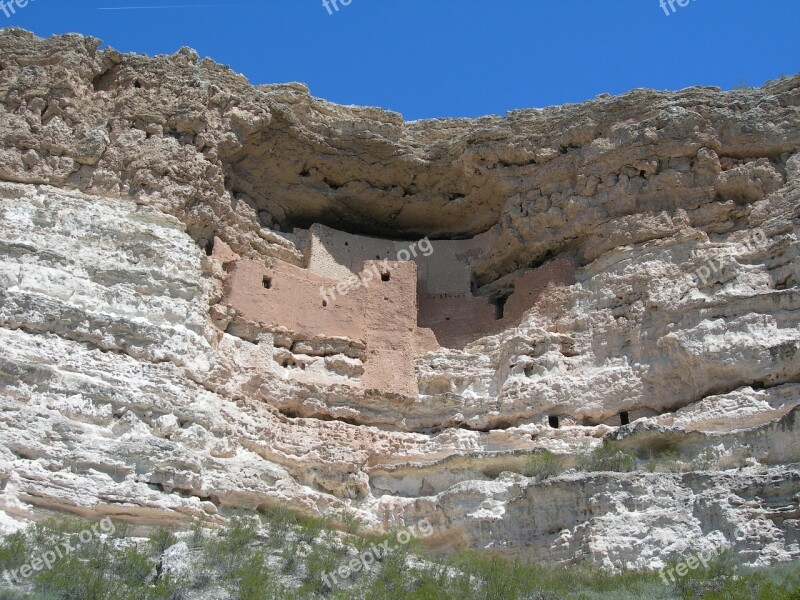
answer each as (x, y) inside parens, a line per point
(122, 396)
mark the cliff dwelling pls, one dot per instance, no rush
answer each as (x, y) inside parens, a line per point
(387, 301)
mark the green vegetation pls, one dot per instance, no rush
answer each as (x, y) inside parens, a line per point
(665, 461)
(161, 539)
(723, 580)
(544, 465)
(280, 555)
(607, 458)
(13, 551)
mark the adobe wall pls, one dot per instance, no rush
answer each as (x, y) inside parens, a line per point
(444, 277)
(391, 325)
(458, 319)
(293, 300)
(381, 315)
(446, 270)
(338, 255)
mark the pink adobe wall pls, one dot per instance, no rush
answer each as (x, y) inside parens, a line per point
(391, 327)
(397, 319)
(293, 300)
(457, 320)
(383, 315)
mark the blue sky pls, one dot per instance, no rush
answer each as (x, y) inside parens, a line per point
(440, 58)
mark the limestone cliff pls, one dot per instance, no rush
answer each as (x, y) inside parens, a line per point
(626, 268)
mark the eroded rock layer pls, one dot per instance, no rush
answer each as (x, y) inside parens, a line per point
(626, 268)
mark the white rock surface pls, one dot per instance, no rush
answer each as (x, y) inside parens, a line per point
(176, 562)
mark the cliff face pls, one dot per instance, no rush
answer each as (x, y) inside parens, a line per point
(627, 260)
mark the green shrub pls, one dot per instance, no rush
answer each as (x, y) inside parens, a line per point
(724, 579)
(486, 577)
(395, 581)
(107, 571)
(666, 461)
(320, 561)
(704, 461)
(290, 558)
(254, 578)
(544, 465)
(14, 550)
(133, 567)
(431, 584)
(6, 594)
(349, 521)
(606, 458)
(122, 529)
(280, 521)
(161, 539)
(240, 533)
(392, 578)
(199, 536)
(310, 528)
(76, 577)
(228, 548)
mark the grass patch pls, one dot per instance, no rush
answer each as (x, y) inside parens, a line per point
(608, 458)
(544, 465)
(667, 461)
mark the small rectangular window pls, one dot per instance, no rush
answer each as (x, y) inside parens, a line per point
(499, 307)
